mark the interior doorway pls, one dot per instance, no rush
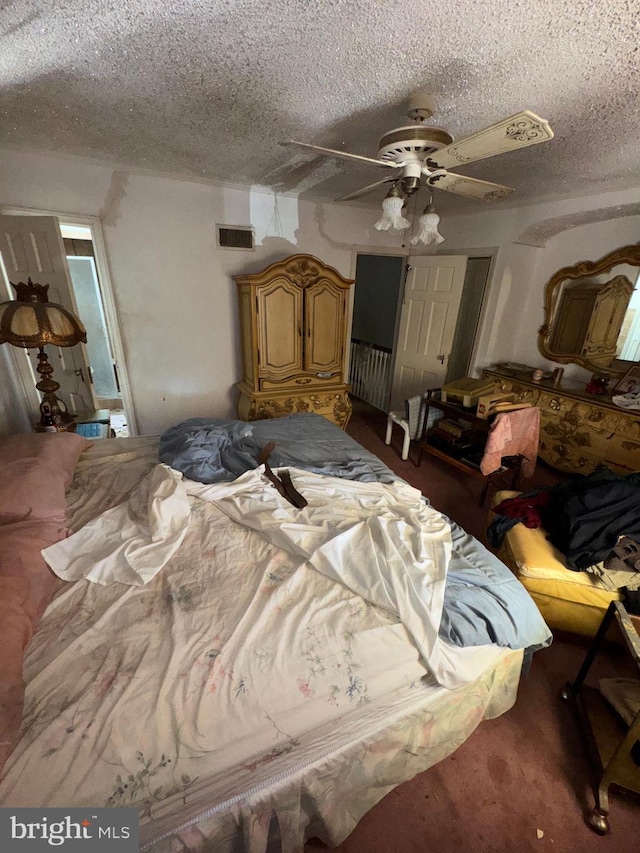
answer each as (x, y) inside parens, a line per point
(379, 294)
(105, 385)
(70, 252)
(378, 288)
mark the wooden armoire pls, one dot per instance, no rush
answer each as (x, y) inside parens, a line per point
(293, 319)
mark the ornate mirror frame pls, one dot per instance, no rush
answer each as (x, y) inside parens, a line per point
(553, 291)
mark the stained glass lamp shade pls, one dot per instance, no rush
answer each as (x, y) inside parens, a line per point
(31, 321)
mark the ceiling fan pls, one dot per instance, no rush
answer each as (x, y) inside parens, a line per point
(421, 154)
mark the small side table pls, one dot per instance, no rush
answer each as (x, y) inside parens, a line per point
(511, 466)
(66, 427)
(608, 740)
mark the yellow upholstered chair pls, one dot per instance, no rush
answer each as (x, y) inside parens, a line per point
(568, 600)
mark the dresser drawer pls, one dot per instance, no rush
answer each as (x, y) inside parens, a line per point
(579, 431)
(623, 453)
(300, 382)
(332, 403)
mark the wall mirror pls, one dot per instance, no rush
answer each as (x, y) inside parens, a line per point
(592, 313)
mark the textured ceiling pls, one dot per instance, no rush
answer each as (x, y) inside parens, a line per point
(209, 88)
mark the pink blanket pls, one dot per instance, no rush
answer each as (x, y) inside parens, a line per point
(513, 433)
(35, 471)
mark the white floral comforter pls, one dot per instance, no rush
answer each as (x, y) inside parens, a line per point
(238, 687)
(380, 540)
(228, 656)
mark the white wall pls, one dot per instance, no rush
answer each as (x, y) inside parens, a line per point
(173, 288)
(176, 298)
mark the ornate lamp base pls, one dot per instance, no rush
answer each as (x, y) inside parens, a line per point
(53, 411)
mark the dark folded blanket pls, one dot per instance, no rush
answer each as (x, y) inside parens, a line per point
(586, 517)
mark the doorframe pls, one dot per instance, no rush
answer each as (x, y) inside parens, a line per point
(476, 252)
(106, 291)
(395, 251)
(407, 252)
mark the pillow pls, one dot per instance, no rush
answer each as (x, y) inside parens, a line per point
(35, 471)
(27, 585)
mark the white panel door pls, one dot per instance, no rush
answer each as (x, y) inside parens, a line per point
(431, 300)
(32, 246)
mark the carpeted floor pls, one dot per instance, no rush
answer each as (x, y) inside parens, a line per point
(521, 782)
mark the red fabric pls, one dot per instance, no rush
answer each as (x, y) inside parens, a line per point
(526, 509)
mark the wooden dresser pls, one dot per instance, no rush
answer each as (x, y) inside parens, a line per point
(293, 319)
(578, 431)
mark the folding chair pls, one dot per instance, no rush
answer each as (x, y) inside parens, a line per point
(411, 421)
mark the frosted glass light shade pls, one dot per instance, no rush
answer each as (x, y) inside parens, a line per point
(392, 215)
(428, 228)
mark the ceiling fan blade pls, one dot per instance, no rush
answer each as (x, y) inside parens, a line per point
(345, 154)
(365, 190)
(510, 134)
(470, 187)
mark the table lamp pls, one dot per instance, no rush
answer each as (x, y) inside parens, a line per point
(30, 321)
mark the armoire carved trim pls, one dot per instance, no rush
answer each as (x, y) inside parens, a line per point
(293, 321)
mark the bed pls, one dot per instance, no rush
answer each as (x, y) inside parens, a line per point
(245, 673)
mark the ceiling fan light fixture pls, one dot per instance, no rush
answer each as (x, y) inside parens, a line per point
(410, 184)
(428, 228)
(392, 212)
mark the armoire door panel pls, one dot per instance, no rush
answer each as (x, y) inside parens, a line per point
(324, 310)
(280, 329)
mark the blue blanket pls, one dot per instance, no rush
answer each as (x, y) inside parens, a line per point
(210, 450)
(484, 602)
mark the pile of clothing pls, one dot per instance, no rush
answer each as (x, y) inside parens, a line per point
(594, 520)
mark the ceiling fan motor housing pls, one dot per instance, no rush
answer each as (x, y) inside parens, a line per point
(421, 106)
(412, 144)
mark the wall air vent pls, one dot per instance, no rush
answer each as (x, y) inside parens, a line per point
(235, 237)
